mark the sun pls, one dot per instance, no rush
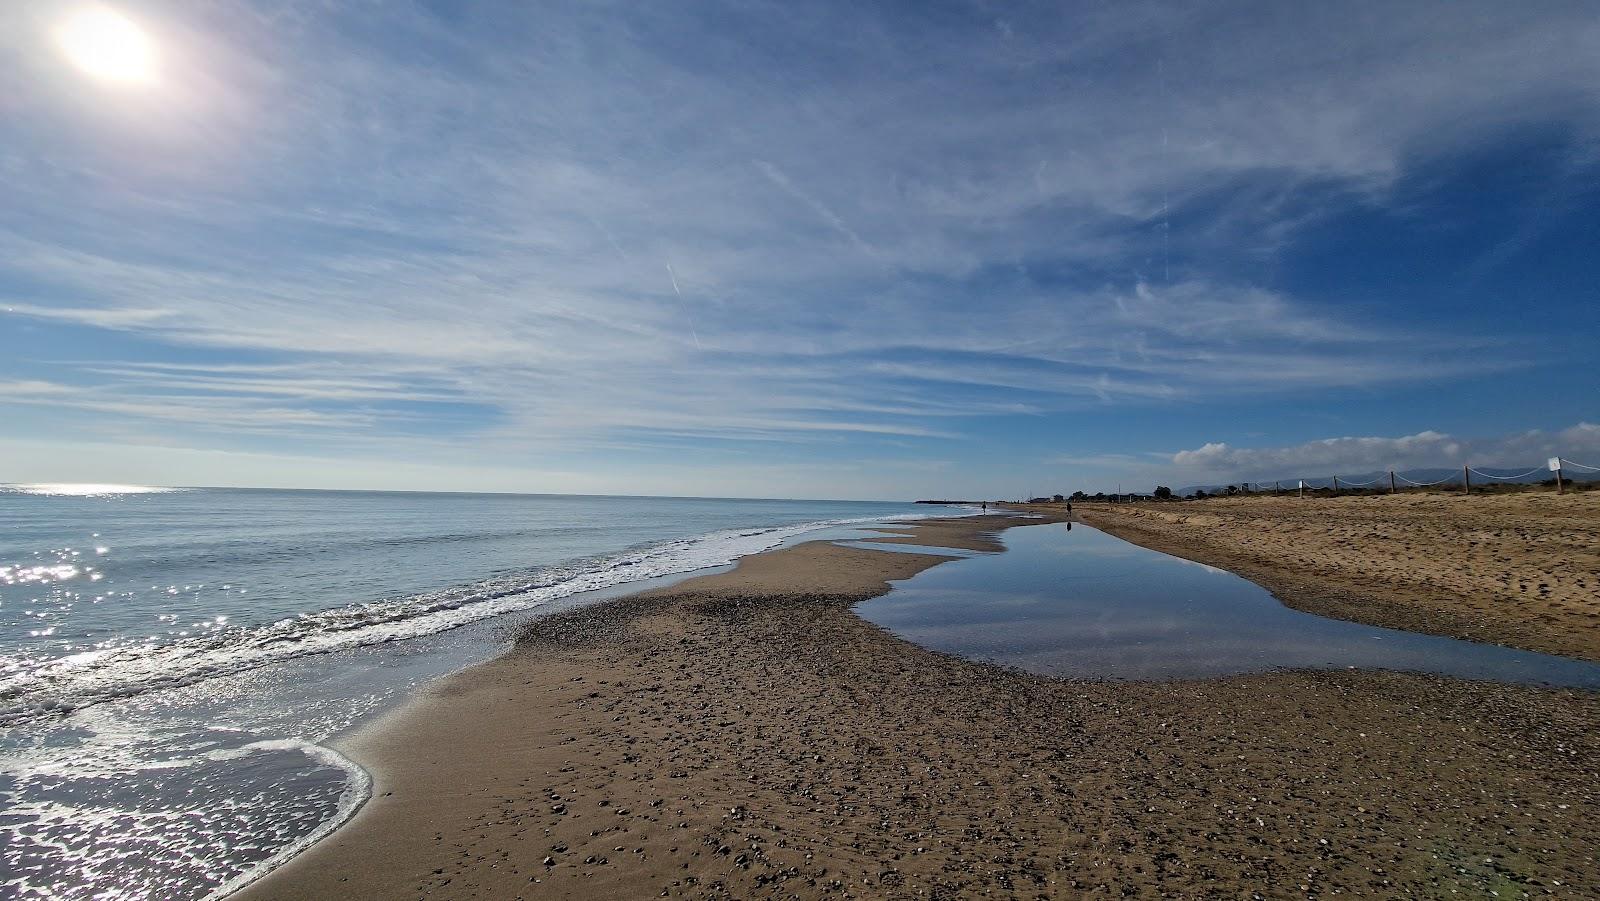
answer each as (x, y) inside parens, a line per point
(108, 46)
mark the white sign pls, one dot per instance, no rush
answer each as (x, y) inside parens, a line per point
(1555, 464)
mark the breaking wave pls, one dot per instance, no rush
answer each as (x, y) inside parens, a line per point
(42, 686)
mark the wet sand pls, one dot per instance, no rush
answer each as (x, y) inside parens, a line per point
(1516, 569)
(746, 735)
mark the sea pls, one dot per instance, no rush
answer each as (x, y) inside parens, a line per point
(177, 665)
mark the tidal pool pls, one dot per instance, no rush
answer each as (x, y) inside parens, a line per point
(1078, 603)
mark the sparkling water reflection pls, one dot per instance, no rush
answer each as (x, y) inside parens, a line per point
(176, 667)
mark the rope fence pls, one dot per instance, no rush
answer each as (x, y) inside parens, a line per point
(1508, 478)
(1362, 484)
(1393, 479)
(1449, 478)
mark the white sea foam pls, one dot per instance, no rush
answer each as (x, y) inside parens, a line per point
(357, 790)
(113, 807)
(59, 685)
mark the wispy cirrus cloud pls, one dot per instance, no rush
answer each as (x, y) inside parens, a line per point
(100, 317)
(610, 225)
(572, 376)
(204, 410)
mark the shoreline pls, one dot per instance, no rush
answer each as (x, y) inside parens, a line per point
(746, 734)
(357, 748)
(361, 785)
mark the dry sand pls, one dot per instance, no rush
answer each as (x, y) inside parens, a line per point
(746, 735)
(1517, 569)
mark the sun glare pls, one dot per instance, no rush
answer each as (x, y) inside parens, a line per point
(108, 46)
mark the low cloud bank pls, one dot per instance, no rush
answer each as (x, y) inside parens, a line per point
(1424, 450)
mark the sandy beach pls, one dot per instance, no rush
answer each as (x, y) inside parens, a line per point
(518, 450)
(746, 735)
(1520, 569)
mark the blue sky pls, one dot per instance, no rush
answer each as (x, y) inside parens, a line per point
(775, 249)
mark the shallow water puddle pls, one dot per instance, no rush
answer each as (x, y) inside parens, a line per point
(1079, 603)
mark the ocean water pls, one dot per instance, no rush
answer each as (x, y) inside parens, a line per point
(1078, 603)
(175, 665)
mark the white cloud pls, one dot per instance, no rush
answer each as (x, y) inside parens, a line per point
(112, 317)
(857, 224)
(1361, 455)
(882, 367)
(211, 412)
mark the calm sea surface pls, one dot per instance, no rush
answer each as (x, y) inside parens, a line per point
(173, 663)
(1078, 603)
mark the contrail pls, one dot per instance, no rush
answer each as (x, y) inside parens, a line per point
(610, 238)
(673, 276)
(779, 178)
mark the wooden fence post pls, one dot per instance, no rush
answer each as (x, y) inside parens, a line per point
(1391, 481)
(1466, 480)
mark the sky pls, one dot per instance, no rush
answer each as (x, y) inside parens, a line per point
(844, 250)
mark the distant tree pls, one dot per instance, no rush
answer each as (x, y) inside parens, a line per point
(1078, 496)
(1059, 498)
(1233, 489)
(1199, 494)
(1163, 493)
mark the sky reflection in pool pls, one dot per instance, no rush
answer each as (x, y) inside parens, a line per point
(1081, 604)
